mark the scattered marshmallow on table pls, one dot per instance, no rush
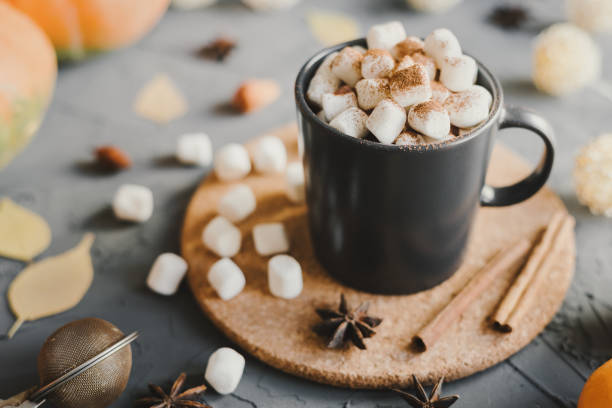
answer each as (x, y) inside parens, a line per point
(324, 81)
(224, 370)
(371, 91)
(294, 177)
(334, 104)
(351, 122)
(133, 203)
(194, 148)
(222, 237)
(428, 63)
(591, 15)
(226, 278)
(430, 118)
(410, 138)
(410, 86)
(347, 65)
(407, 47)
(270, 238)
(386, 121)
(439, 92)
(270, 155)
(166, 274)
(232, 162)
(442, 43)
(285, 277)
(238, 203)
(458, 73)
(385, 36)
(377, 64)
(470, 107)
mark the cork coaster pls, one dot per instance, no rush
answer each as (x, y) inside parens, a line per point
(278, 331)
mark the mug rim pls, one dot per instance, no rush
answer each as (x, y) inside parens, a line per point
(304, 107)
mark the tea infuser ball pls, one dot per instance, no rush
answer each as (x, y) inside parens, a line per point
(72, 345)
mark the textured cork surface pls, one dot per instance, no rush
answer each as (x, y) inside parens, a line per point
(278, 331)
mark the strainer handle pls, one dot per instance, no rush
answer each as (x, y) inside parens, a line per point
(45, 390)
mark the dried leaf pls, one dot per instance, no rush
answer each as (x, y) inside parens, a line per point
(332, 28)
(52, 285)
(160, 100)
(23, 234)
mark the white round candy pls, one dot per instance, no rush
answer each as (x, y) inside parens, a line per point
(592, 15)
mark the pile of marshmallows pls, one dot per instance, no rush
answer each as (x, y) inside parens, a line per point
(403, 90)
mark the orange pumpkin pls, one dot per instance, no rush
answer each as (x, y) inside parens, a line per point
(81, 27)
(597, 392)
(27, 77)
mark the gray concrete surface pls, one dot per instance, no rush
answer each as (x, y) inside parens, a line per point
(92, 106)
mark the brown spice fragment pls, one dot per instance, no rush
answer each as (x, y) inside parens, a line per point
(218, 49)
(508, 17)
(112, 158)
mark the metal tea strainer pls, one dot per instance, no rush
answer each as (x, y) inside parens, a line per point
(84, 364)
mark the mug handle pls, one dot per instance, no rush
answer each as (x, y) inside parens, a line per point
(515, 117)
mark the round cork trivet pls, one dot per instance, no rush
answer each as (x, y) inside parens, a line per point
(278, 331)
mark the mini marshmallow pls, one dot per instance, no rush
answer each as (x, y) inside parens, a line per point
(224, 370)
(410, 86)
(334, 104)
(194, 148)
(407, 47)
(428, 63)
(385, 36)
(351, 122)
(469, 108)
(237, 204)
(439, 92)
(321, 115)
(347, 65)
(458, 73)
(359, 49)
(133, 203)
(166, 274)
(323, 81)
(442, 43)
(270, 155)
(410, 138)
(430, 118)
(226, 278)
(232, 162)
(386, 121)
(371, 91)
(377, 64)
(565, 59)
(285, 277)
(270, 238)
(404, 63)
(294, 178)
(222, 237)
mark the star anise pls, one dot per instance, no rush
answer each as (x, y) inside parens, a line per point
(218, 49)
(423, 401)
(346, 325)
(175, 399)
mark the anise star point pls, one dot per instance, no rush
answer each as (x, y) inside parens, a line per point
(422, 400)
(344, 324)
(174, 399)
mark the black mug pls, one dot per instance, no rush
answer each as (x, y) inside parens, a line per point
(386, 219)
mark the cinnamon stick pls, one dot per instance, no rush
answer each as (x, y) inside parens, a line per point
(499, 264)
(526, 302)
(511, 299)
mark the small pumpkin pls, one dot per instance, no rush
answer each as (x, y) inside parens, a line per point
(78, 28)
(27, 79)
(597, 392)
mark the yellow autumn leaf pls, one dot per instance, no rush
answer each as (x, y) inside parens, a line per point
(52, 285)
(23, 234)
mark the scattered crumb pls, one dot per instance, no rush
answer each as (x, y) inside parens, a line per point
(160, 101)
(332, 28)
(112, 158)
(218, 49)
